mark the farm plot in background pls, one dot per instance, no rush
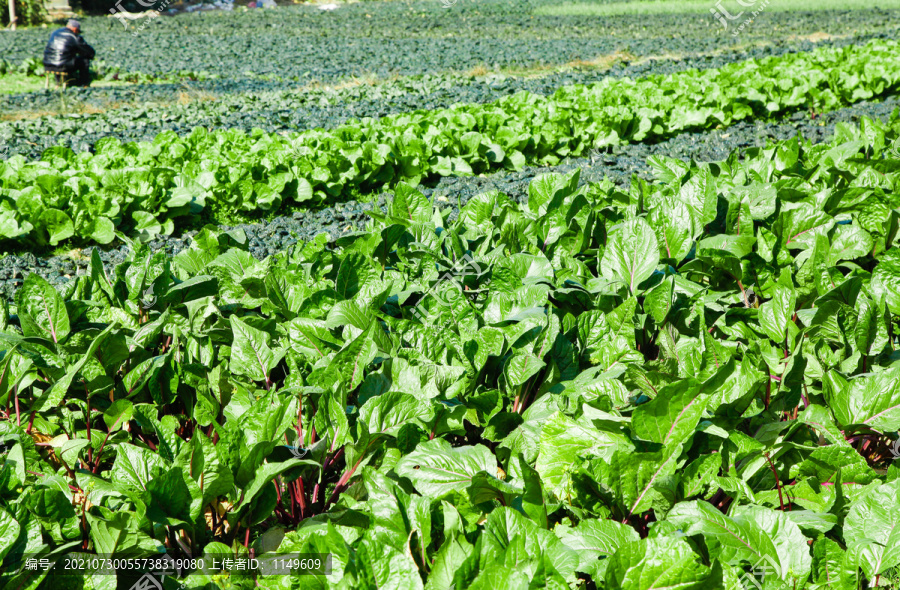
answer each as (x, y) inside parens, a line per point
(409, 38)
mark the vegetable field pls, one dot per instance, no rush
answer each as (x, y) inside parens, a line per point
(628, 323)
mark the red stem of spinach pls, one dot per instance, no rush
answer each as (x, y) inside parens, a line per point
(777, 480)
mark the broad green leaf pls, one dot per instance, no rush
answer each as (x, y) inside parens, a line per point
(55, 394)
(353, 274)
(42, 310)
(832, 566)
(265, 475)
(734, 540)
(437, 469)
(58, 225)
(656, 564)
(775, 314)
(521, 367)
(134, 467)
(870, 400)
(631, 255)
(387, 413)
(351, 362)
(672, 415)
(250, 351)
(120, 412)
(564, 441)
(872, 528)
(118, 533)
(595, 538)
(9, 532)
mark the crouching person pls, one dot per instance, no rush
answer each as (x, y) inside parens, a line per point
(69, 56)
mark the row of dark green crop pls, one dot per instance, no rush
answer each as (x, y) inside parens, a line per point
(140, 189)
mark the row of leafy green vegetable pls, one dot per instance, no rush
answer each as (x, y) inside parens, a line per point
(148, 110)
(210, 106)
(141, 189)
(655, 388)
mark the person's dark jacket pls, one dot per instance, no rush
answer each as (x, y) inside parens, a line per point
(64, 47)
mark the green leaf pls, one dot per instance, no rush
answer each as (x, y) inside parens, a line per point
(101, 229)
(390, 568)
(9, 532)
(354, 273)
(631, 255)
(12, 469)
(658, 302)
(120, 412)
(169, 498)
(564, 441)
(42, 310)
(672, 415)
(760, 197)
(134, 467)
(55, 394)
(872, 529)
(50, 504)
(351, 362)
(436, 469)
(832, 567)
(656, 563)
(510, 532)
(58, 225)
(118, 533)
(201, 460)
(849, 242)
(387, 413)
(886, 279)
(674, 223)
(755, 535)
(250, 352)
(521, 367)
(410, 205)
(532, 502)
(486, 488)
(594, 539)
(641, 481)
(870, 400)
(265, 475)
(775, 314)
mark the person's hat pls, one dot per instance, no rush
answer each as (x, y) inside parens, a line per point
(74, 24)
